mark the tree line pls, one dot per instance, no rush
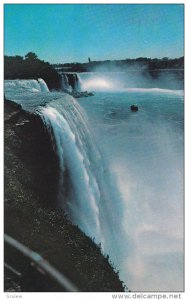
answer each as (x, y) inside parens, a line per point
(148, 63)
(31, 67)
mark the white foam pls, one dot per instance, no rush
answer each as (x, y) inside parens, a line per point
(72, 152)
(31, 85)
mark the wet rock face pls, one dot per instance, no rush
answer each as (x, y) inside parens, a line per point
(41, 158)
(32, 145)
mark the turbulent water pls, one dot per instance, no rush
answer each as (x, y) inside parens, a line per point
(144, 153)
(121, 172)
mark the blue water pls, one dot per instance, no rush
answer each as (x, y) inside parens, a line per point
(126, 173)
(144, 153)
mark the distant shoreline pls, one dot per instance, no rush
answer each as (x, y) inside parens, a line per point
(140, 63)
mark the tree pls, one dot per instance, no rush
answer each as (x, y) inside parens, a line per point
(31, 56)
(18, 58)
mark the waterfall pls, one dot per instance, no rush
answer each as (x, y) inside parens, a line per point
(43, 85)
(121, 173)
(87, 189)
(31, 85)
(70, 82)
(65, 83)
(80, 164)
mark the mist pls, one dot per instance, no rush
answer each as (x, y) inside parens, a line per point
(118, 79)
(144, 155)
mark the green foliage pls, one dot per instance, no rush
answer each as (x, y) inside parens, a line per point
(30, 67)
(31, 56)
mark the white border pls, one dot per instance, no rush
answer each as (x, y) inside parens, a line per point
(95, 1)
(80, 296)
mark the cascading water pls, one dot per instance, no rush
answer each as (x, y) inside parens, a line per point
(74, 147)
(29, 93)
(83, 189)
(70, 82)
(65, 83)
(31, 85)
(121, 172)
(43, 85)
(144, 152)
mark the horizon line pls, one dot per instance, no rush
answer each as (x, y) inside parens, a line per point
(104, 60)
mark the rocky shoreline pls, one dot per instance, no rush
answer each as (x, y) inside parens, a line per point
(77, 94)
(30, 212)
